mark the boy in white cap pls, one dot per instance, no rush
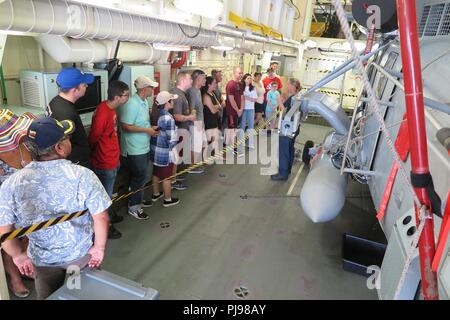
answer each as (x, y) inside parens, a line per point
(165, 150)
(135, 142)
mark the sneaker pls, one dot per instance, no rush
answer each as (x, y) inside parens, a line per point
(180, 178)
(169, 203)
(197, 170)
(238, 154)
(147, 203)
(113, 233)
(278, 177)
(157, 196)
(179, 186)
(138, 214)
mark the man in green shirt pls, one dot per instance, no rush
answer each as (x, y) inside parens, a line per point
(135, 143)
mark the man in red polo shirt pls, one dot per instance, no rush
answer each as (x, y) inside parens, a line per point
(104, 143)
(267, 82)
(234, 107)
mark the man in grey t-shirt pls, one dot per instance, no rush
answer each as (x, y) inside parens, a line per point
(194, 95)
(197, 130)
(181, 109)
(182, 114)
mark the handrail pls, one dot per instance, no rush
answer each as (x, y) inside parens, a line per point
(346, 66)
(433, 104)
(412, 71)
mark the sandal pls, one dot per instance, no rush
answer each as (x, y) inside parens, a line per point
(20, 294)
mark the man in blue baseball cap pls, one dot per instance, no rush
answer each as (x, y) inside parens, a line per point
(72, 84)
(46, 132)
(48, 187)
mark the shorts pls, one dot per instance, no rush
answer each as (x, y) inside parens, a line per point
(198, 139)
(233, 122)
(163, 172)
(259, 108)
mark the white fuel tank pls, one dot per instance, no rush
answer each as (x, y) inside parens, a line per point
(323, 194)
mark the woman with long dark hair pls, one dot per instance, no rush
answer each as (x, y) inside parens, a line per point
(259, 104)
(248, 116)
(211, 113)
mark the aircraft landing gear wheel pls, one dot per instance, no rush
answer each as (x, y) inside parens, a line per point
(306, 158)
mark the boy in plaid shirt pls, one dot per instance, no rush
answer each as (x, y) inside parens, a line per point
(165, 149)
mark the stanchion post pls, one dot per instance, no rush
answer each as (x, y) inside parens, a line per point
(412, 71)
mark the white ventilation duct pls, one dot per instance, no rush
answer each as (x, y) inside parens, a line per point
(77, 20)
(68, 50)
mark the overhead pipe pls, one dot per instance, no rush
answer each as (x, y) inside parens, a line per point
(68, 50)
(391, 76)
(412, 72)
(72, 19)
(327, 107)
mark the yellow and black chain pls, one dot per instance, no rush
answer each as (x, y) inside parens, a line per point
(20, 232)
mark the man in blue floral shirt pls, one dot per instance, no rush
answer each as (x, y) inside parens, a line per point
(46, 188)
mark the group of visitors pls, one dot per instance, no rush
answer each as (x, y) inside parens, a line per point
(50, 166)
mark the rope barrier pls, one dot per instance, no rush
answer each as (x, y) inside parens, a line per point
(17, 233)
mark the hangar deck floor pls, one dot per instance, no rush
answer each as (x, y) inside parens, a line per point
(219, 245)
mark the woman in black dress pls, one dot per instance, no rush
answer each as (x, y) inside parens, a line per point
(211, 113)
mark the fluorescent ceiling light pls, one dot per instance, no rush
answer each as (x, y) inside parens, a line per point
(310, 44)
(222, 48)
(170, 47)
(206, 8)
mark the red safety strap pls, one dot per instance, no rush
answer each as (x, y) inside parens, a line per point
(443, 236)
(402, 147)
